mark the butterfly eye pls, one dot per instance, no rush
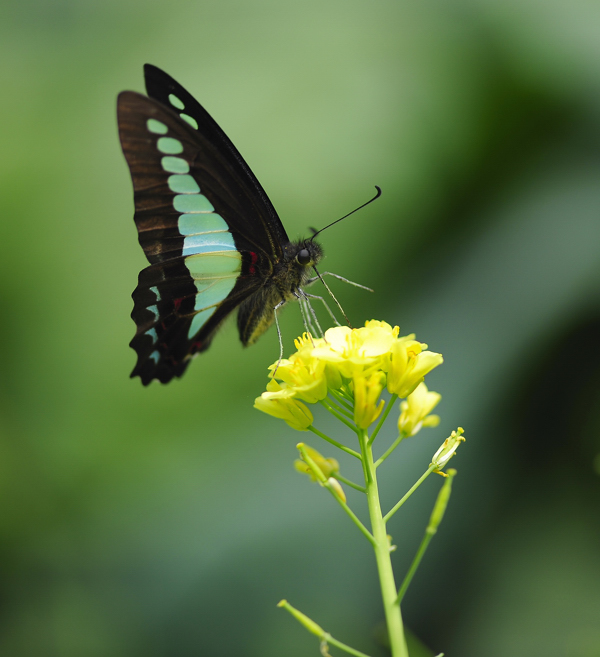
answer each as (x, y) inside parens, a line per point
(303, 257)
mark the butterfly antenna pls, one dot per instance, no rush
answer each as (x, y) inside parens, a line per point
(332, 295)
(344, 217)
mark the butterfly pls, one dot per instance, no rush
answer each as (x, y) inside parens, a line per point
(209, 231)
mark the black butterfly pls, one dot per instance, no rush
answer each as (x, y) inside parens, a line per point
(209, 231)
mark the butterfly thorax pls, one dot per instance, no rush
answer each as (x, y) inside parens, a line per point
(290, 273)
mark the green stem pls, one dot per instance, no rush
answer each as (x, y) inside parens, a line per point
(434, 521)
(382, 554)
(342, 400)
(367, 534)
(322, 479)
(317, 630)
(342, 646)
(383, 417)
(414, 565)
(410, 492)
(346, 393)
(335, 442)
(346, 412)
(388, 451)
(339, 477)
(327, 404)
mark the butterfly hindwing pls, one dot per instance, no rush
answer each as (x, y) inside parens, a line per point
(175, 320)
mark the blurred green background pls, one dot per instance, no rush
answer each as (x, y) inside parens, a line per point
(168, 521)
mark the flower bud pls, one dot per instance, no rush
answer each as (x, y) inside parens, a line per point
(366, 395)
(446, 451)
(337, 488)
(325, 465)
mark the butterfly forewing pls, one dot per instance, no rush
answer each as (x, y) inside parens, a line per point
(194, 210)
(252, 213)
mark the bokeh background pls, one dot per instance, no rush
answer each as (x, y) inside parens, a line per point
(168, 521)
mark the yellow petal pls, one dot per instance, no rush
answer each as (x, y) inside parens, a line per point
(415, 410)
(367, 406)
(295, 413)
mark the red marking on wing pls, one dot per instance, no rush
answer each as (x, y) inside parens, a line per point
(254, 257)
(177, 303)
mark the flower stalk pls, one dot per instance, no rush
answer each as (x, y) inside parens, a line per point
(339, 498)
(317, 630)
(434, 521)
(347, 372)
(383, 559)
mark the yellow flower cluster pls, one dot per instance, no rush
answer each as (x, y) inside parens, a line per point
(360, 363)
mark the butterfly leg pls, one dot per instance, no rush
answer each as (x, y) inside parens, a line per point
(327, 308)
(332, 295)
(277, 307)
(310, 329)
(314, 279)
(309, 311)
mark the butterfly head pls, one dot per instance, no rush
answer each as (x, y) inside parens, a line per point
(295, 270)
(308, 253)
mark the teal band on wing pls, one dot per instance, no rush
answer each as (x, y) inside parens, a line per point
(207, 243)
(192, 203)
(213, 293)
(199, 321)
(155, 291)
(175, 164)
(176, 102)
(152, 333)
(155, 355)
(214, 265)
(153, 310)
(169, 146)
(183, 184)
(195, 224)
(157, 127)
(190, 120)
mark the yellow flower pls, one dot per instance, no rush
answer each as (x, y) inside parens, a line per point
(357, 364)
(303, 374)
(356, 350)
(446, 451)
(408, 364)
(279, 402)
(415, 411)
(366, 395)
(327, 466)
